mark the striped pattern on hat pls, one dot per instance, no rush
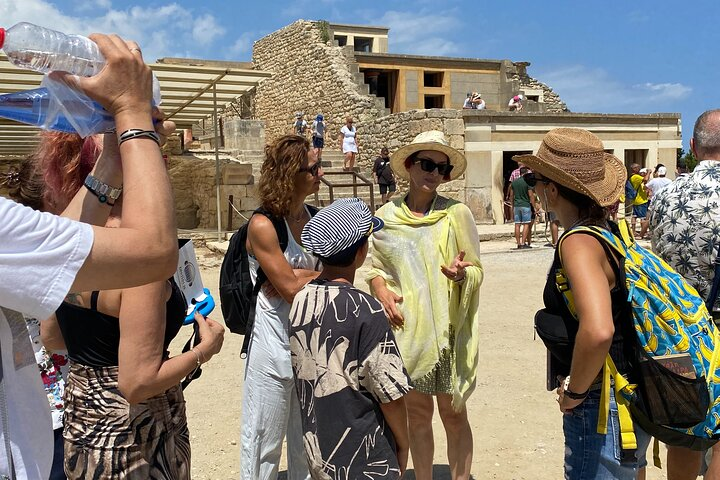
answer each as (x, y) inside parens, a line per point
(339, 226)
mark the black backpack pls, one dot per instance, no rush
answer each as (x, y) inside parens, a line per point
(238, 296)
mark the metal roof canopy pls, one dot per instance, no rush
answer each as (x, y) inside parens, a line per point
(189, 94)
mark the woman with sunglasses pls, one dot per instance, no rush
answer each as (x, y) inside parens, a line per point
(576, 179)
(270, 408)
(427, 273)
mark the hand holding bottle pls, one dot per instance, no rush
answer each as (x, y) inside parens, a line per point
(124, 86)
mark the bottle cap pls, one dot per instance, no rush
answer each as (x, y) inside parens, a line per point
(2, 37)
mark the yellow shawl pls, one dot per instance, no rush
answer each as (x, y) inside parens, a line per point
(408, 253)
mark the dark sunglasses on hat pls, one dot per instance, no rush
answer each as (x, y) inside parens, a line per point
(311, 170)
(429, 166)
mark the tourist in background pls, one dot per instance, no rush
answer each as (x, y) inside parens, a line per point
(468, 104)
(348, 137)
(300, 125)
(318, 135)
(576, 179)
(522, 199)
(684, 234)
(516, 103)
(477, 101)
(270, 408)
(427, 274)
(638, 180)
(384, 176)
(474, 101)
(655, 185)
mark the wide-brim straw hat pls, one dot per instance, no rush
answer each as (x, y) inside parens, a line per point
(431, 140)
(576, 159)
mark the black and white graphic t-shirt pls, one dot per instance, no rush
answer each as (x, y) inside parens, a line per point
(346, 363)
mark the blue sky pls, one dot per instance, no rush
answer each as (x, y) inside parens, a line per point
(612, 56)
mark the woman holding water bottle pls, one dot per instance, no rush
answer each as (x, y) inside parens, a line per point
(47, 256)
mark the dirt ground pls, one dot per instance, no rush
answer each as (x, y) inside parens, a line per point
(516, 423)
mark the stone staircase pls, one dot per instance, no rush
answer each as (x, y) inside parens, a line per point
(359, 79)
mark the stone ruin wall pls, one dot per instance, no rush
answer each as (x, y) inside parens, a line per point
(326, 85)
(552, 101)
(311, 76)
(398, 129)
(192, 177)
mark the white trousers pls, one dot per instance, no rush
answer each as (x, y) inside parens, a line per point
(270, 408)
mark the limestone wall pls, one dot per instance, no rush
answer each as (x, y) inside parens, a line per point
(552, 101)
(309, 76)
(398, 129)
(193, 182)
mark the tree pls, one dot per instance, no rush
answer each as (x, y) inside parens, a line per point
(689, 159)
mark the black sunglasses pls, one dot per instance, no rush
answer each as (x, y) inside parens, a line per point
(534, 178)
(312, 170)
(429, 166)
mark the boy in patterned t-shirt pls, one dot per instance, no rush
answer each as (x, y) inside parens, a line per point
(349, 375)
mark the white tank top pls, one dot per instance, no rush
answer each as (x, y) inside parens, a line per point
(297, 257)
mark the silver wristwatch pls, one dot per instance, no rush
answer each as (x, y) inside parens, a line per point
(104, 192)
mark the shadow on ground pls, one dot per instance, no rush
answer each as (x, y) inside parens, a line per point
(440, 472)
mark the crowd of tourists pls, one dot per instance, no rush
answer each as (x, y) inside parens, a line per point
(351, 380)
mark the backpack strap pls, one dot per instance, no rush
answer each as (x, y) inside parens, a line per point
(610, 243)
(623, 391)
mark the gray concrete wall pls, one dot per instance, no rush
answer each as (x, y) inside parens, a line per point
(411, 89)
(487, 84)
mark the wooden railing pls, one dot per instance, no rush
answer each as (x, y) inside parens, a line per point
(358, 180)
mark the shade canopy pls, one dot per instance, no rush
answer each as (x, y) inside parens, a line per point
(187, 95)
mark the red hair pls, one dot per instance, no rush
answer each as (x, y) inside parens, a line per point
(65, 159)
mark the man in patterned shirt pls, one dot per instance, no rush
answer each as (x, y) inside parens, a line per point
(685, 225)
(349, 375)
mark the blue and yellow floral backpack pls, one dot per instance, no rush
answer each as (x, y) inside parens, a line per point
(675, 369)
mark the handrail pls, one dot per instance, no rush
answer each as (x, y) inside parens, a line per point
(231, 203)
(357, 180)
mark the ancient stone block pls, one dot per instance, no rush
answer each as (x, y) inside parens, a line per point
(443, 113)
(455, 126)
(457, 142)
(187, 218)
(249, 203)
(173, 145)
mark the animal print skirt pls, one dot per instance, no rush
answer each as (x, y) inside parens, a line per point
(107, 438)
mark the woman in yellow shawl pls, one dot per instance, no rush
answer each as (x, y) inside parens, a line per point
(427, 273)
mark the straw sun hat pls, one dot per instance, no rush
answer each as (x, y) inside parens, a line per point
(431, 140)
(575, 158)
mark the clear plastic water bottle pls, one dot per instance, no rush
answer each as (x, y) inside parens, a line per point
(40, 107)
(56, 106)
(44, 50)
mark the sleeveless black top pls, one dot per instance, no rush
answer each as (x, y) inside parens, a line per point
(622, 320)
(92, 338)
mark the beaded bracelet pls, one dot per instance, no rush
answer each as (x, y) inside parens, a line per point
(138, 133)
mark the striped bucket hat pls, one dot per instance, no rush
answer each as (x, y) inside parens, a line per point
(338, 227)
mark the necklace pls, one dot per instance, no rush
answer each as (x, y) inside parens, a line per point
(296, 220)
